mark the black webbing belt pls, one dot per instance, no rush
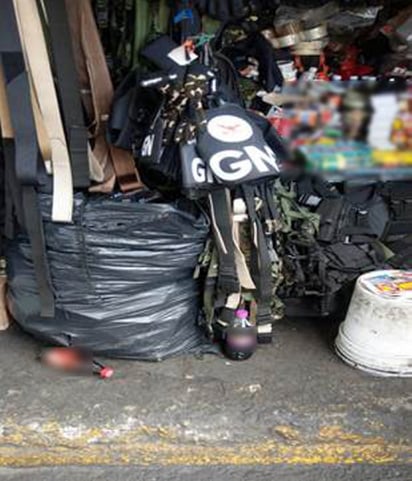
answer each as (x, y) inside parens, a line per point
(261, 263)
(228, 281)
(13, 194)
(269, 200)
(34, 226)
(69, 91)
(26, 150)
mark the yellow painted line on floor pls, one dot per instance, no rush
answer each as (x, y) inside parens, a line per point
(51, 444)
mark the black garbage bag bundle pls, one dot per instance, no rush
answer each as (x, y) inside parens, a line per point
(122, 275)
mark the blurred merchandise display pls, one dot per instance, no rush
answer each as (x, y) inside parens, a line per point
(357, 129)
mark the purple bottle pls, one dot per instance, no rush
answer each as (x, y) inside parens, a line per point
(241, 337)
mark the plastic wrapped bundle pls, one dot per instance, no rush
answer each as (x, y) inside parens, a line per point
(123, 279)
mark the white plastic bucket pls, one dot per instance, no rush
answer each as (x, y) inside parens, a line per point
(376, 335)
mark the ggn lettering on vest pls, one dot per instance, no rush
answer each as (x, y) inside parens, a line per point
(237, 165)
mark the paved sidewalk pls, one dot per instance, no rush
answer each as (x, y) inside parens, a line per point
(294, 409)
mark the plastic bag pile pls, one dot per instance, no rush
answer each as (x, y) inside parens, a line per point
(123, 279)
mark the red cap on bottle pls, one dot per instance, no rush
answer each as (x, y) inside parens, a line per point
(106, 373)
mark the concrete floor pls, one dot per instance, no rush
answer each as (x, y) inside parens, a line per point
(293, 412)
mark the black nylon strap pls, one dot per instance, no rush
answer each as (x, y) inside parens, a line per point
(25, 153)
(227, 315)
(269, 197)
(34, 227)
(261, 264)
(13, 200)
(69, 91)
(267, 215)
(18, 93)
(25, 135)
(228, 281)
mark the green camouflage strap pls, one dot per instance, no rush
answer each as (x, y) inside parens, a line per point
(291, 211)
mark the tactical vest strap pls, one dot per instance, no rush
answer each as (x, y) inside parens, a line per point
(24, 155)
(69, 91)
(269, 201)
(261, 263)
(227, 315)
(18, 96)
(34, 226)
(38, 65)
(13, 200)
(245, 279)
(97, 96)
(220, 207)
(13, 195)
